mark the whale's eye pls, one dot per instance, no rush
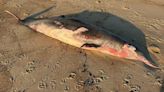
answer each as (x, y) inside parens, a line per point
(62, 16)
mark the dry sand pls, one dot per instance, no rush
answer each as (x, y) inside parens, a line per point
(32, 62)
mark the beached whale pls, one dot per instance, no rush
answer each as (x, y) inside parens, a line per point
(86, 36)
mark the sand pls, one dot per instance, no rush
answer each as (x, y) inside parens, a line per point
(33, 62)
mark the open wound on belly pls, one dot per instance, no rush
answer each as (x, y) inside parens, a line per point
(122, 53)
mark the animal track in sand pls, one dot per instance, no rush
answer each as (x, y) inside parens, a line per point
(42, 85)
(131, 87)
(98, 1)
(53, 84)
(30, 67)
(135, 88)
(127, 80)
(72, 75)
(86, 80)
(159, 80)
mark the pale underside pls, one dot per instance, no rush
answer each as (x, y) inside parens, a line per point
(75, 38)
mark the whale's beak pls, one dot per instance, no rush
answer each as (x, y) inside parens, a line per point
(30, 18)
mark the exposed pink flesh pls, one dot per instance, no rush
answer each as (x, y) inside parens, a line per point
(112, 51)
(121, 53)
(125, 52)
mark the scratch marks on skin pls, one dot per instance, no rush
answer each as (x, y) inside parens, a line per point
(71, 24)
(79, 28)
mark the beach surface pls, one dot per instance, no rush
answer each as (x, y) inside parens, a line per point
(33, 62)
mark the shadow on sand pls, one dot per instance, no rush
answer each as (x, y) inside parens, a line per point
(122, 28)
